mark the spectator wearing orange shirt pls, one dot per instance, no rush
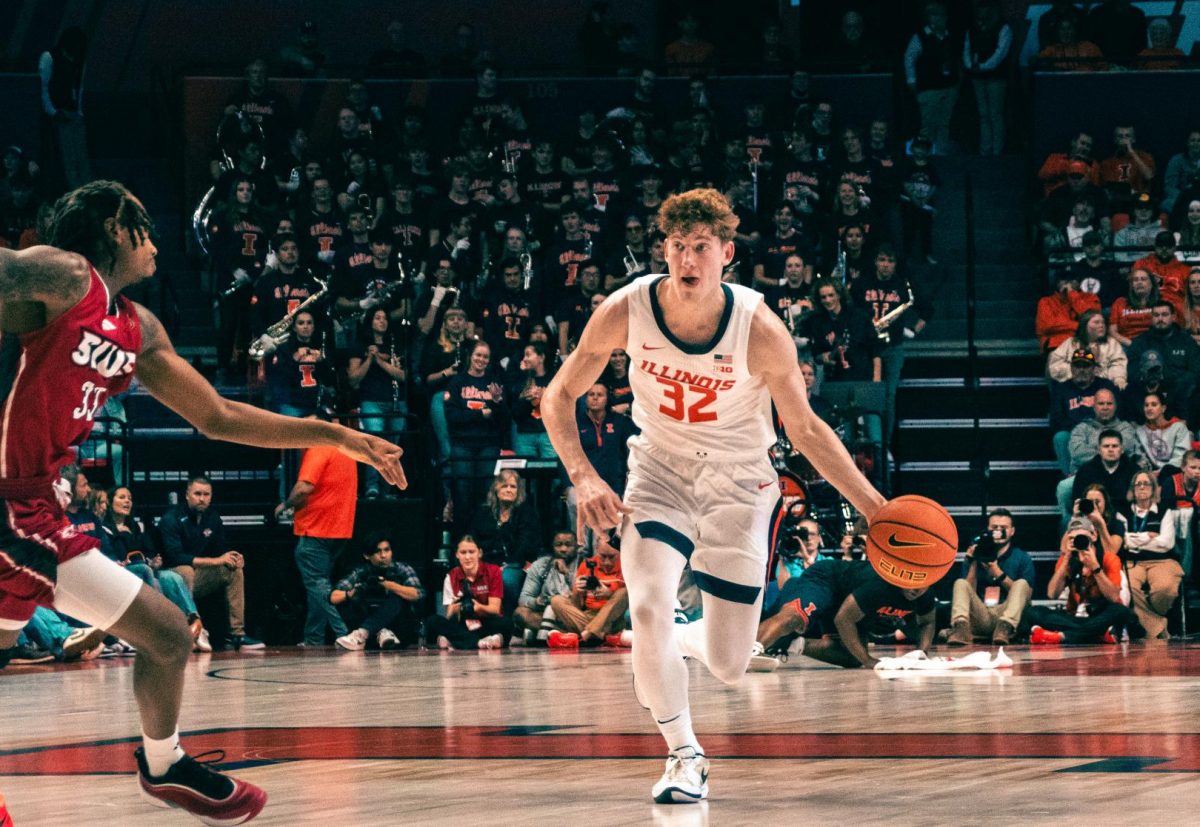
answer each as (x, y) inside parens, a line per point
(1092, 578)
(1130, 314)
(1162, 55)
(1169, 273)
(323, 500)
(595, 610)
(1058, 314)
(1070, 54)
(1057, 165)
(1127, 171)
(690, 52)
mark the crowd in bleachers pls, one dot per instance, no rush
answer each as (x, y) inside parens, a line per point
(423, 279)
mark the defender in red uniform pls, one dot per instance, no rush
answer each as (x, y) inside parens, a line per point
(68, 341)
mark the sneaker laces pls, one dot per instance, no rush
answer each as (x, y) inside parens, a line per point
(198, 773)
(681, 767)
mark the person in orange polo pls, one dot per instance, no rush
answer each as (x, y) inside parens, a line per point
(323, 499)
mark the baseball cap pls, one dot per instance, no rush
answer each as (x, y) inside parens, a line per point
(1080, 524)
(1083, 357)
(1077, 168)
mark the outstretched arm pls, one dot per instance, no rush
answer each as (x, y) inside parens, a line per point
(773, 357)
(175, 383)
(598, 505)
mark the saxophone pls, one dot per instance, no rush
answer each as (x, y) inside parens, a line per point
(279, 332)
(884, 321)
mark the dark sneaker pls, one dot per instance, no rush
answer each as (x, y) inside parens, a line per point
(1003, 634)
(245, 642)
(960, 634)
(28, 653)
(198, 789)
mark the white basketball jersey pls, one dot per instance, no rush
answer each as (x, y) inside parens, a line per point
(697, 400)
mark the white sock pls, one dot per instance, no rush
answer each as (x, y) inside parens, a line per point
(677, 731)
(161, 755)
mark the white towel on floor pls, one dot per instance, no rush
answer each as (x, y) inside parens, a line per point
(919, 661)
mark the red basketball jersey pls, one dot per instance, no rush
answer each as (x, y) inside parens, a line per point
(54, 380)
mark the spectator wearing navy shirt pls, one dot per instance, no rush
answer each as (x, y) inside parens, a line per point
(604, 435)
(478, 422)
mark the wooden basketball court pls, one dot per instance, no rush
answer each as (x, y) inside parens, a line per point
(1072, 735)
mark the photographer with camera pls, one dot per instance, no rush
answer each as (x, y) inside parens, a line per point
(379, 599)
(1151, 563)
(995, 588)
(797, 550)
(471, 594)
(549, 576)
(1092, 580)
(594, 613)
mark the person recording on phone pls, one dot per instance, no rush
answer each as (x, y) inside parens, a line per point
(996, 586)
(1092, 580)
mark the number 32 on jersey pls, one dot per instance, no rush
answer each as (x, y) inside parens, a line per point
(687, 403)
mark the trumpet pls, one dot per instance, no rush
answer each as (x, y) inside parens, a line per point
(631, 263)
(279, 332)
(885, 321)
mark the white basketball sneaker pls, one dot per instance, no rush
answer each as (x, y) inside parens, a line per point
(685, 780)
(760, 661)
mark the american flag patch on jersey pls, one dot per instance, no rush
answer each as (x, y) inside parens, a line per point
(722, 363)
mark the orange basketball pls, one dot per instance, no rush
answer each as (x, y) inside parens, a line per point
(912, 542)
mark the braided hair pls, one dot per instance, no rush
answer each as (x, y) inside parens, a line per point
(79, 216)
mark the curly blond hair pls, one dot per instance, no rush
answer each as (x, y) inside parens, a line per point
(698, 209)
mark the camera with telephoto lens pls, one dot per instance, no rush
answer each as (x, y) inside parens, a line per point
(593, 582)
(987, 545)
(1086, 507)
(467, 601)
(793, 537)
(1079, 544)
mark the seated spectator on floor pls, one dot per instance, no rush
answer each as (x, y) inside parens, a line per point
(1095, 506)
(380, 600)
(1110, 468)
(1163, 440)
(133, 548)
(603, 435)
(65, 642)
(1091, 579)
(549, 576)
(1169, 273)
(1091, 334)
(1152, 564)
(529, 437)
(1096, 272)
(828, 613)
(1177, 352)
(508, 529)
(73, 480)
(1058, 314)
(795, 554)
(194, 546)
(471, 595)
(1130, 314)
(996, 585)
(594, 613)
(1141, 230)
(1073, 401)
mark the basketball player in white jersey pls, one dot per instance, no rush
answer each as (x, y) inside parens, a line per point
(706, 359)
